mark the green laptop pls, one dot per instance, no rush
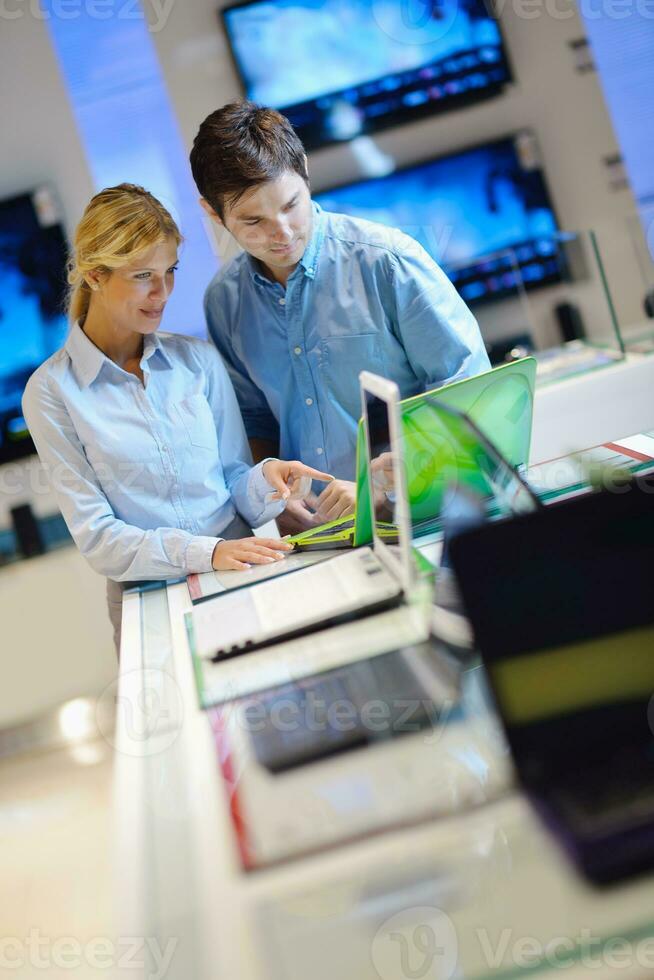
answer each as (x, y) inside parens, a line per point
(499, 401)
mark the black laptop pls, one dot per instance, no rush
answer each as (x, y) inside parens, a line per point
(562, 607)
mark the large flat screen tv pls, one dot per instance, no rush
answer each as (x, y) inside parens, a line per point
(33, 325)
(341, 68)
(484, 214)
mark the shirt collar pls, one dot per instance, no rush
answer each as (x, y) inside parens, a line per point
(88, 360)
(153, 344)
(309, 260)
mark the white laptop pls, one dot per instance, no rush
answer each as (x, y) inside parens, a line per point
(347, 586)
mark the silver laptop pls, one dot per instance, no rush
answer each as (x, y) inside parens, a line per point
(344, 587)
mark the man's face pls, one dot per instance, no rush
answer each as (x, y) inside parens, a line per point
(273, 223)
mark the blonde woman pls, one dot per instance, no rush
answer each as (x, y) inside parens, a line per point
(140, 431)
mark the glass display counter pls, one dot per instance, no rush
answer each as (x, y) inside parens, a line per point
(559, 306)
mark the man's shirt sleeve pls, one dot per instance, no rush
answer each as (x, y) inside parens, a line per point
(437, 330)
(259, 421)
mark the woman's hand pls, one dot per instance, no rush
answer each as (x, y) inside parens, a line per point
(240, 554)
(285, 476)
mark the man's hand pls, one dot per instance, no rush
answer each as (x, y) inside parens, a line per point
(296, 518)
(240, 554)
(383, 472)
(286, 476)
(336, 500)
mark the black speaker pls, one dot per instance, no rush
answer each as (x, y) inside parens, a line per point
(28, 533)
(648, 304)
(570, 321)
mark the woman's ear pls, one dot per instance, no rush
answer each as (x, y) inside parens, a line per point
(93, 280)
(213, 214)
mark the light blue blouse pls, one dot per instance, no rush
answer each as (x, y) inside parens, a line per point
(146, 475)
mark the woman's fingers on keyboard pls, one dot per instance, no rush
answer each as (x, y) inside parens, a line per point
(266, 554)
(260, 556)
(233, 565)
(278, 544)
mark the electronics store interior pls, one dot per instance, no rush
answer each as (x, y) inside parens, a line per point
(328, 635)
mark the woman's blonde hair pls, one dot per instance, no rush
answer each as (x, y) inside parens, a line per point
(118, 224)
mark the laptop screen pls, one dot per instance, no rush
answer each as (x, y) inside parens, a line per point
(561, 606)
(445, 451)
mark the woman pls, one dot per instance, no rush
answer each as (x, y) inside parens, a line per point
(140, 432)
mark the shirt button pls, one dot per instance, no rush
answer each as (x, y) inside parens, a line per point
(297, 350)
(309, 401)
(282, 302)
(320, 450)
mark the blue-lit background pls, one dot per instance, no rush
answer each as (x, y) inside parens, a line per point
(32, 289)
(623, 49)
(342, 43)
(129, 133)
(465, 206)
(352, 65)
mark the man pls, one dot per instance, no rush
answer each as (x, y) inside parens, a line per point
(314, 299)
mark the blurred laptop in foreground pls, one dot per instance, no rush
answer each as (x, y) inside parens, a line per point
(562, 608)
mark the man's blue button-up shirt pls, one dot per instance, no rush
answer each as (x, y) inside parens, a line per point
(363, 297)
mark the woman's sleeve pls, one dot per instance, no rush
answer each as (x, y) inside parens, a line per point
(112, 547)
(246, 483)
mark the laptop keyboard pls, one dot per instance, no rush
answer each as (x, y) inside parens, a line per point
(319, 589)
(354, 706)
(347, 525)
(305, 600)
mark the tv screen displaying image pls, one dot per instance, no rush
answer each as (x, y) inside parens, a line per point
(33, 325)
(340, 68)
(483, 214)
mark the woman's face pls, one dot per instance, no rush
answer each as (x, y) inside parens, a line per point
(133, 297)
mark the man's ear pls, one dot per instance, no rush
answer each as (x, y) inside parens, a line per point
(206, 207)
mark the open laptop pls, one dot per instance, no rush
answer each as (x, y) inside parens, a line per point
(344, 587)
(499, 401)
(444, 449)
(562, 609)
(350, 531)
(466, 481)
(403, 676)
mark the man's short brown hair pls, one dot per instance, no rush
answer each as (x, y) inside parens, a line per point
(240, 146)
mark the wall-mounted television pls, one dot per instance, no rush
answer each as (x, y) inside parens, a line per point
(484, 214)
(341, 68)
(33, 254)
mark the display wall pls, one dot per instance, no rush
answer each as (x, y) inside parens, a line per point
(564, 107)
